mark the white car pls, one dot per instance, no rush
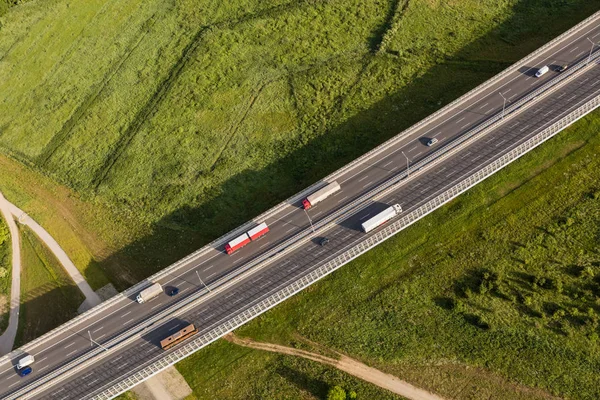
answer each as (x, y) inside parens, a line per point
(542, 71)
(432, 141)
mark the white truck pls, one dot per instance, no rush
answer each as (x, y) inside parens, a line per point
(149, 293)
(381, 218)
(25, 361)
(320, 195)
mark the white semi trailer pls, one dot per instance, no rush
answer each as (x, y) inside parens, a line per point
(149, 293)
(381, 218)
(320, 195)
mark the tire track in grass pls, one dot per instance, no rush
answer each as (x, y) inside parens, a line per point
(163, 89)
(67, 129)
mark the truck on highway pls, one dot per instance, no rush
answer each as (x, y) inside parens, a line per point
(258, 231)
(25, 361)
(178, 337)
(381, 218)
(320, 195)
(237, 243)
(149, 293)
(246, 238)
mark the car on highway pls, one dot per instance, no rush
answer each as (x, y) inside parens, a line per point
(324, 241)
(562, 68)
(25, 371)
(173, 291)
(432, 141)
(542, 71)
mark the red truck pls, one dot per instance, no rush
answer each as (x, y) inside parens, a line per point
(245, 238)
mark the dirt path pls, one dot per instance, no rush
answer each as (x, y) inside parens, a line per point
(91, 298)
(346, 364)
(7, 339)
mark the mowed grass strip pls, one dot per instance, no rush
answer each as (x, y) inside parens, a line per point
(5, 274)
(48, 295)
(501, 287)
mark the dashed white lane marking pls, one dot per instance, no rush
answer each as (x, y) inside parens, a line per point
(368, 184)
(211, 275)
(101, 336)
(491, 109)
(69, 345)
(73, 352)
(129, 321)
(418, 154)
(156, 306)
(413, 148)
(483, 106)
(364, 217)
(574, 48)
(342, 199)
(500, 143)
(126, 314)
(92, 382)
(387, 163)
(363, 178)
(98, 329)
(266, 244)
(465, 125)
(173, 328)
(291, 229)
(460, 120)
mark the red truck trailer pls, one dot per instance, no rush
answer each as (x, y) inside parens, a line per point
(237, 243)
(258, 231)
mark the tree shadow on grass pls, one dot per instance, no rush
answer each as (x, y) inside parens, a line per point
(303, 381)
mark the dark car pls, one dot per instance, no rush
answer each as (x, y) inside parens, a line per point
(562, 68)
(25, 371)
(173, 291)
(324, 241)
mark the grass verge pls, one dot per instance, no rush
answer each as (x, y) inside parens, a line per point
(45, 287)
(5, 274)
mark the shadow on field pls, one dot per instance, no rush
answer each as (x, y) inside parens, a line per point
(252, 192)
(303, 382)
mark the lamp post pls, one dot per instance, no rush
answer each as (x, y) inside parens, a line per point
(407, 165)
(201, 281)
(92, 342)
(591, 49)
(309, 220)
(503, 104)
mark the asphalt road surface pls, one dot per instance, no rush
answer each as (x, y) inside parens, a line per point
(113, 366)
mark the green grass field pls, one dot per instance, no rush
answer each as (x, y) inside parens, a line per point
(44, 286)
(503, 296)
(186, 119)
(5, 274)
(136, 131)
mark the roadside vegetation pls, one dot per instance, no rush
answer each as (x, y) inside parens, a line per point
(136, 131)
(178, 121)
(48, 295)
(503, 296)
(5, 274)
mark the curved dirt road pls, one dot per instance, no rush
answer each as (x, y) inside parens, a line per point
(346, 364)
(7, 339)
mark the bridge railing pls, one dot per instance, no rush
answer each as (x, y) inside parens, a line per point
(116, 388)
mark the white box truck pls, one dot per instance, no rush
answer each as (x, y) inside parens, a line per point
(149, 293)
(381, 218)
(25, 361)
(320, 195)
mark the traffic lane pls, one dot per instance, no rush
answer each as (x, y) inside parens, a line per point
(462, 167)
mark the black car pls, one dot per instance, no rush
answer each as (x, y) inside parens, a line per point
(173, 291)
(324, 241)
(562, 68)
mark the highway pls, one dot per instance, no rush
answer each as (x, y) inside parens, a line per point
(119, 326)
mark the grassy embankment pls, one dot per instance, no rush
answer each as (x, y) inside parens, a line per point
(502, 297)
(48, 295)
(5, 274)
(199, 116)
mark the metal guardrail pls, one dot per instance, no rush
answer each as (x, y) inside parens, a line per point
(332, 265)
(223, 239)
